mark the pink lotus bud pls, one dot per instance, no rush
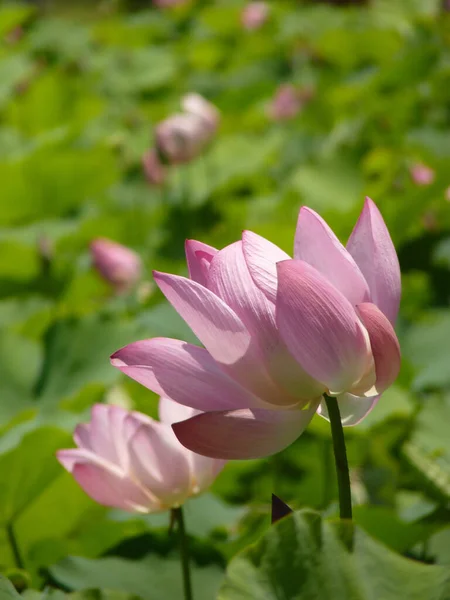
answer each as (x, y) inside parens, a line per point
(254, 15)
(421, 174)
(154, 170)
(288, 101)
(277, 334)
(182, 137)
(129, 461)
(196, 105)
(117, 264)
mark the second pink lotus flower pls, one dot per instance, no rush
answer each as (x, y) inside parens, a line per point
(278, 333)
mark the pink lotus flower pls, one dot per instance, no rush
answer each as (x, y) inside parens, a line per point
(421, 174)
(278, 334)
(181, 137)
(127, 460)
(118, 265)
(154, 170)
(254, 15)
(287, 103)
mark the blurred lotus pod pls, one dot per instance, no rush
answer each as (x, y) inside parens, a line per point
(117, 264)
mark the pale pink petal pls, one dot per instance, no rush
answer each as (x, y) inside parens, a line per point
(170, 411)
(204, 471)
(371, 246)
(243, 434)
(384, 344)
(112, 489)
(353, 409)
(230, 279)
(199, 257)
(220, 330)
(320, 327)
(261, 257)
(160, 463)
(183, 372)
(82, 436)
(70, 457)
(316, 244)
(102, 436)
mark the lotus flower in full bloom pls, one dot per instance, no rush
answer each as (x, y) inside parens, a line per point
(117, 264)
(127, 460)
(278, 334)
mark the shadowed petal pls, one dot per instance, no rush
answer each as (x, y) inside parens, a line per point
(199, 257)
(261, 257)
(82, 436)
(320, 327)
(384, 344)
(170, 411)
(316, 244)
(183, 372)
(243, 434)
(353, 409)
(371, 246)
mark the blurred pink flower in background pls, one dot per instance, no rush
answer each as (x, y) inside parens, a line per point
(128, 460)
(287, 102)
(154, 170)
(117, 264)
(196, 105)
(277, 334)
(421, 174)
(254, 15)
(447, 194)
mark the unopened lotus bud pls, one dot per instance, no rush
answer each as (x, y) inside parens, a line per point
(117, 264)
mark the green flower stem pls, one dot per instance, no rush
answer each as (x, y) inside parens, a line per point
(184, 553)
(340, 458)
(14, 546)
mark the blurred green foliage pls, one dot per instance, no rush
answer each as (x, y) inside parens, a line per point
(81, 89)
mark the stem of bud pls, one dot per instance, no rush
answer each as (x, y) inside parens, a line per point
(177, 514)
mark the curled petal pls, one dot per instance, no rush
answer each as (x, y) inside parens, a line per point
(183, 372)
(82, 436)
(261, 257)
(384, 344)
(243, 434)
(320, 327)
(316, 244)
(199, 257)
(353, 409)
(371, 246)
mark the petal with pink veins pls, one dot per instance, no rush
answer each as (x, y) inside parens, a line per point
(221, 331)
(320, 327)
(183, 372)
(371, 246)
(199, 257)
(384, 344)
(316, 244)
(230, 279)
(353, 409)
(243, 434)
(261, 257)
